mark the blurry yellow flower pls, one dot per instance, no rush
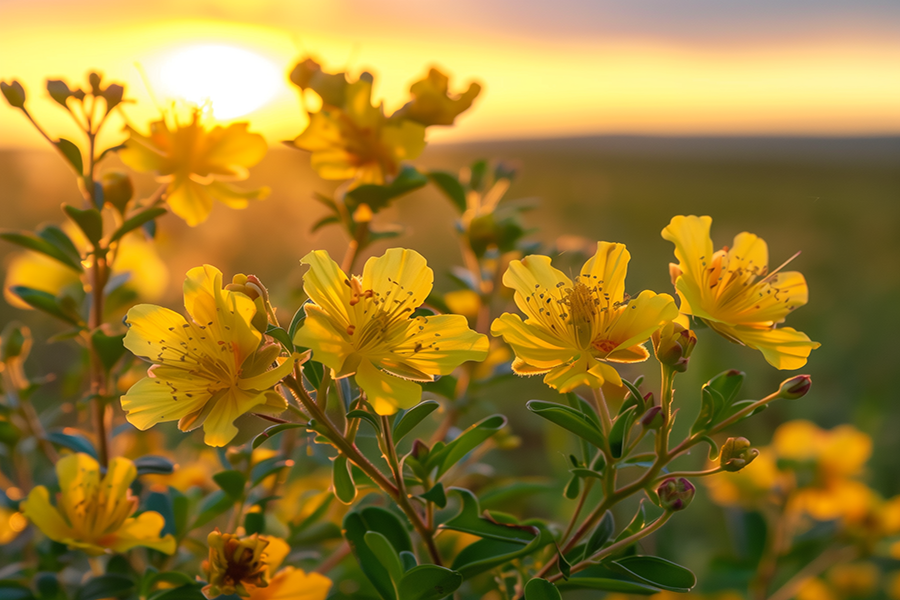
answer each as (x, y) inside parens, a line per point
(893, 588)
(825, 463)
(196, 162)
(432, 103)
(722, 289)
(363, 325)
(463, 302)
(134, 258)
(356, 141)
(815, 589)
(856, 580)
(93, 513)
(236, 564)
(207, 371)
(750, 487)
(189, 474)
(11, 524)
(573, 326)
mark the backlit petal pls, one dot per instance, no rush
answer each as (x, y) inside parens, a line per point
(189, 200)
(437, 345)
(219, 428)
(538, 286)
(143, 530)
(607, 269)
(293, 584)
(327, 285)
(400, 279)
(643, 315)
(168, 395)
(534, 345)
(43, 514)
(318, 333)
(784, 348)
(386, 393)
(693, 246)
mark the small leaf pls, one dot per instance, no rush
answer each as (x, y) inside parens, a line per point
(344, 488)
(469, 521)
(88, 220)
(232, 483)
(436, 495)
(573, 488)
(59, 91)
(386, 555)
(618, 436)
(59, 238)
(486, 554)
(541, 589)
(413, 417)
(73, 441)
(153, 465)
(467, 441)
(44, 246)
(568, 418)
(379, 196)
(371, 518)
(281, 336)
(273, 431)
(428, 582)
(138, 220)
(602, 534)
(108, 347)
(297, 321)
(636, 524)
(329, 220)
(72, 154)
(451, 187)
(366, 416)
(211, 507)
(657, 572)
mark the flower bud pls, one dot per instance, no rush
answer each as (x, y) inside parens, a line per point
(14, 93)
(236, 565)
(653, 418)
(675, 494)
(419, 450)
(673, 345)
(59, 91)
(795, 387)
(117, 189)
(737, 454)
(243, 284)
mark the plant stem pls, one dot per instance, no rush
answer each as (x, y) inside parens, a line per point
(102, 411)
(602, 412)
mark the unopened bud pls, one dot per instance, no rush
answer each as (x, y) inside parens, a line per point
(737, 453)
(94, 79)
(795, 387)
(303, 73)
(117, 189)
(14, 93)
(15, 342)
(419, 450)
(675, 493)
(653, 418)
(241, 283)
(673, 344)
(59, 91)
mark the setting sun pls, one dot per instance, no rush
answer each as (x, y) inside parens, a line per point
(231, 81)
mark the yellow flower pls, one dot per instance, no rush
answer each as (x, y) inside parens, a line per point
(196, 162)
(432, 103)
(207, 371)
(134, 258)
(289, 583)
(363, 325)
(356, 141)
(723, 288)
(825, 464)
(572, 327)
(11, 524)
(93, 513)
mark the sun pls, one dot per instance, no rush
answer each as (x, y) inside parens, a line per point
(230, 81)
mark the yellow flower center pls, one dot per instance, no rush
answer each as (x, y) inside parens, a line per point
(375, 317)
(217, 362)
(729, 277)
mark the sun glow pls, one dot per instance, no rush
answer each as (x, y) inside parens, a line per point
(230, 81)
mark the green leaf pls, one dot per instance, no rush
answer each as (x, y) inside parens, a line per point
(136, 221)
(436, 495)
(636, 524)
(267, 467)
(44, 246)
(711, 405)
(452, 188)
(429, 582)
(467, 441)
(110, 585)
(469, 521)
(602, 534)
(728, 384)
(608, 582)
(386, 555)
(573, 488)
(486, 554)
(413, 417)
(541, 589)
(327, 220)
(153, 465)
(297, 321)
(108, 347)
(59, 238)
(344, 488)
(273, 431)
(46, 303)
(281, 336)
(185, 592)
(73, 441)
(211, 507)
(379, 196)
(232, 483)
(409, 560)
(372, 518)
(657, 572)
(72, 154)
(88, 220)
(618, 436)
(365, 415)
(568, 418)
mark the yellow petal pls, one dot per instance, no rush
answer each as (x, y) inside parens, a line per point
(568, 377)
(270, 378)
(406, 141)
(437, 345)
(38, 272)
(234, 145)
(293, 584)
(168, 395)
(144, 531)
(607, 269)
(631, 354)
(386, 393)
(784, 348)
(533, 345)
(148, 274)
(537, 286)
(79, 481)
(114, 493)
(276, 552)
(235, 198)
(318, 333)
(749, 253)
(189, 200)
(141, 155)
(786, 292)
(693, 246)
(154, 332)
(400, 279)
(640, 318)
(44, 515)
(218, 427)
(327, 286)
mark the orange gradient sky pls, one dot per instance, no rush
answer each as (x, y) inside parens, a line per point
(574, 68)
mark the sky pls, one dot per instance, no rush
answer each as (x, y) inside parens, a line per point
(561, 68)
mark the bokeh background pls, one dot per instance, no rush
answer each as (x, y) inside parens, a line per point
(778, 118)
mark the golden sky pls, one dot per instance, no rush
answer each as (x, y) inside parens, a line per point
(571, 67)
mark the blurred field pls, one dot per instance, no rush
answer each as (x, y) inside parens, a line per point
(837, 200)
